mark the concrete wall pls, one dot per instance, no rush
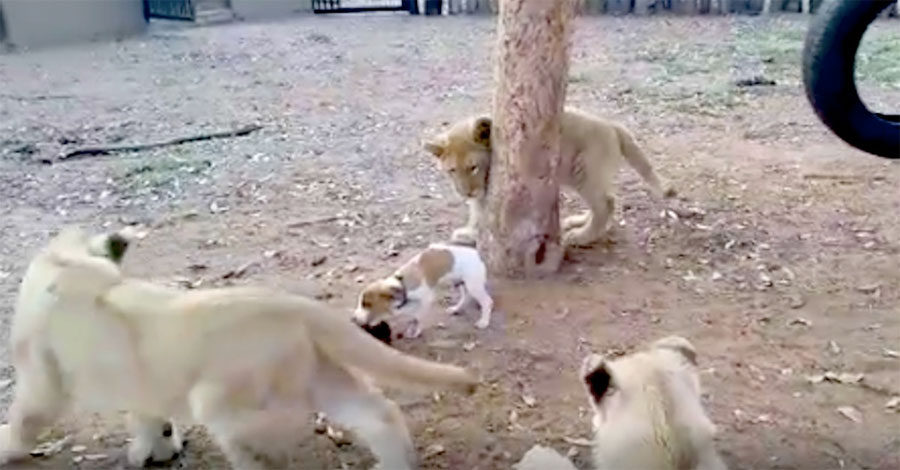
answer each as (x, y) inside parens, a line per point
(266, 9)
(34, 23)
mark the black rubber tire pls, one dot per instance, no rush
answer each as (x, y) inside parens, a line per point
(829, 58)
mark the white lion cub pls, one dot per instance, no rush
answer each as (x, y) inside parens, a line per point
(647, 410)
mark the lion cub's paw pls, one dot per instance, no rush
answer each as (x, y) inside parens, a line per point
(11, 447)
(574, 221)
(579, 238)
(464, 236)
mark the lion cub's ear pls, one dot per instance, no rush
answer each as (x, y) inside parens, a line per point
(597, 377)
(436, 148)
(481, 131)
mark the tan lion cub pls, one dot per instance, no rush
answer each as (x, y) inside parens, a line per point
(592, 150)
(647, 410)
(250, 364)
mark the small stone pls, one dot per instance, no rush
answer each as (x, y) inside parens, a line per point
(318, 260)
(868, 288)
(79, 449)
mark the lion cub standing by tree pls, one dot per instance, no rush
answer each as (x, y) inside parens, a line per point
(592, 150)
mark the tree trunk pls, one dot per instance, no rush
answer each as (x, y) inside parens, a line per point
(519, 231)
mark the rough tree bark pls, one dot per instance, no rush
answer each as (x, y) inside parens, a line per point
(519, 230)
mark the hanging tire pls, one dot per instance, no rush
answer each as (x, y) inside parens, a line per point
(829, 58)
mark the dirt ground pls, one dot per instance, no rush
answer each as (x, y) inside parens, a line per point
(779, 260)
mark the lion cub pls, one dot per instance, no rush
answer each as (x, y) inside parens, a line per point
(248, 363)
(647, 410)
(592, 150)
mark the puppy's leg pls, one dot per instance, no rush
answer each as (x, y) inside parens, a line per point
(461, 303)
(38, 401)
(374, 419)
(423, 316)
(155, 440)
(478, 290)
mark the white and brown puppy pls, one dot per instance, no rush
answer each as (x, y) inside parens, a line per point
(250, 364)
(411, 289)
(647, 410)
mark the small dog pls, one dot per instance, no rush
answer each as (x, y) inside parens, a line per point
(411, 288)
(647, 410)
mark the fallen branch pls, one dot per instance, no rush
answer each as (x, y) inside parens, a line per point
(36, 97)
(319, 220)
(842, 178)
(106, 150)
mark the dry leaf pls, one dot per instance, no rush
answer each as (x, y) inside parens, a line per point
(79, 449)
(239, 272)
(336, 436)
(797, 302)
(469, 346)
(851, 413)
(433, 450)
(529, 400)
(831, 376)
(94, 457)
(577, 441)
(50, 448)
(321, 426)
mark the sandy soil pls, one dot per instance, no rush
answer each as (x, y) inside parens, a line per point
(779, 260)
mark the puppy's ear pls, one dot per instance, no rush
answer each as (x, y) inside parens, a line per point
(679, 345)
(435, 147)
(481, 131)
(597, 377)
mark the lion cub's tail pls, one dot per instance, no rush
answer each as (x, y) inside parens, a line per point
(346, 343)
(638, 160)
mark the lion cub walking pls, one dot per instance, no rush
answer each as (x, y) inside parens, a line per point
(647, 410)
(250, 364)
(592, 150)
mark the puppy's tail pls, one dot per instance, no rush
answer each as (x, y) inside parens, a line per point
(638, 160)
(346, 343)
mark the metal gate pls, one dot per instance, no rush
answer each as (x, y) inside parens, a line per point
(353, 6)
(170, 9)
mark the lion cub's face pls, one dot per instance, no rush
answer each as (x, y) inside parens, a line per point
(464, 153)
